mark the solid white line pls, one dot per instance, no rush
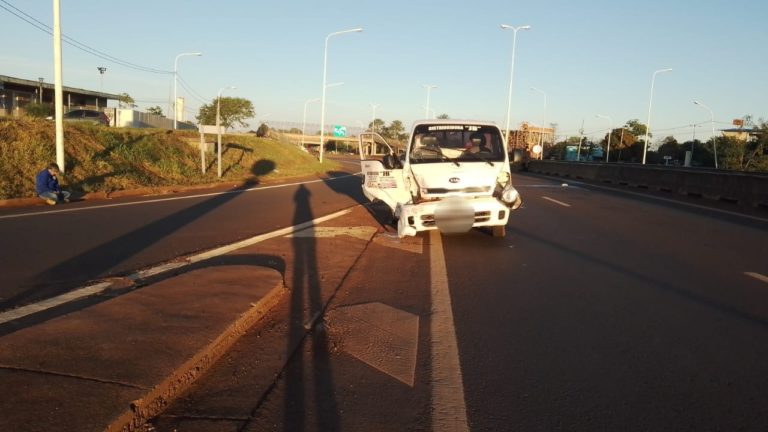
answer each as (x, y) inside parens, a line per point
(21, 312)
(162, 268)
(757, 276)
(449, 412)
(175, 198)
(556, 201)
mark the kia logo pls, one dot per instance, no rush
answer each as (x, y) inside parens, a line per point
(454, 179)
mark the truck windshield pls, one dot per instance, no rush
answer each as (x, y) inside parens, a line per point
(456, 143)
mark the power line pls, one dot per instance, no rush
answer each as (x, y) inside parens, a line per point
(34, 22)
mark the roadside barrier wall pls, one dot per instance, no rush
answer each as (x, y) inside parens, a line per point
(747, 189)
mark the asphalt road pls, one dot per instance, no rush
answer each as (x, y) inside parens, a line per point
(47, 251)
(597, 312)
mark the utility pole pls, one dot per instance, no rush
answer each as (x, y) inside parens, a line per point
(581, 139)
(58, 86)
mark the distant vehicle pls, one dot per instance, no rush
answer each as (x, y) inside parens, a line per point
(455, 176)
(92, 116)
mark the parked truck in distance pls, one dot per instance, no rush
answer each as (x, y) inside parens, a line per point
(452, 176)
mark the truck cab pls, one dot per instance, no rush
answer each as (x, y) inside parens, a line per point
(452, 176)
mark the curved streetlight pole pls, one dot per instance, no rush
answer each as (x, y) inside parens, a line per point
(218, 124)
(712, 122)
(511, 72)
(176, 79)
(543, 122)
(429, 88)
(610, 131)
(650, 103)
(325, 75)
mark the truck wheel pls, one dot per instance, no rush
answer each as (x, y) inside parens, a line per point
(499, 231)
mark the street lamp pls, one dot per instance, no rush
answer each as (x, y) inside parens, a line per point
(610, 131)
(218, 123)
(712, 122)
(325, 75)
(512, 69)
(429, 88)
(40, 96)
(650, 103)
(373, 119)
(101, 70)
(543, 122)
(175, 80)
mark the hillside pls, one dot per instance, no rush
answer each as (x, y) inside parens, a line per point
(100, 159)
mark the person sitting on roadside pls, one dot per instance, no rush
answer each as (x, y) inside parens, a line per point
(47, 185)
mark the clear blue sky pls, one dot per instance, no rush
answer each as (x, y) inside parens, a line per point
(590, 57)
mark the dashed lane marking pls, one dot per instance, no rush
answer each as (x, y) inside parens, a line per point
(556, 201)
(757, 276)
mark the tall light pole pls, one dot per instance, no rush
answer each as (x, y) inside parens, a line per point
(429, 88)
(650, 103)
(373, 118)
(543, 122)
(176, 79)
(218, 124)
(511, 70)
(325, 75)
(58, 86)
(712, 122)
(610, 132)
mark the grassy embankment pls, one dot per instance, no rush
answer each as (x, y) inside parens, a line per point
(100, 159)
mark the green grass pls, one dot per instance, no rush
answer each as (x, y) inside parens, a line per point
(100, 159)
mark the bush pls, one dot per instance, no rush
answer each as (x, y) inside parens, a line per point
(39, 110)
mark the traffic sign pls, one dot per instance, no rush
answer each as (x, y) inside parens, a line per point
(340, 131)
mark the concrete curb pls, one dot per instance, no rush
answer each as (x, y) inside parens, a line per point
(163, 394)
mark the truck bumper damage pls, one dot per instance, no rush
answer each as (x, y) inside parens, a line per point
(451, 215)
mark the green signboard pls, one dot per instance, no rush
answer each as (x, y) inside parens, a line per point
(340, 131)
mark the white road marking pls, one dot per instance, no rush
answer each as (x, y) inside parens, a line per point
(757, 276)
(449, 412)
(21, 312)
(556, 201)
(89, 290)
(175, 198)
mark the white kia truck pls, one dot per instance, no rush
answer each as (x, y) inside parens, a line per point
(452, 176)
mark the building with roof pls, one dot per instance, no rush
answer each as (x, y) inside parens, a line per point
(15, 93)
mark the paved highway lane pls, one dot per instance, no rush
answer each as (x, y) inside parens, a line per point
(601, 312)
(49, 250)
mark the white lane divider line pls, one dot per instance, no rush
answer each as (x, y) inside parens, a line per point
(449, 412)
(757, 276)
(71, 296)
(89, 290)
(556, 201)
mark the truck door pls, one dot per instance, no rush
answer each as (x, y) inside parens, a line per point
(382, 171)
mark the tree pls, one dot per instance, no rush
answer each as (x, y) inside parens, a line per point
(395, 130)
(377, 125)
(156, 110)
(234, 111)
(262, 131)
(443, 116)
(125, 100)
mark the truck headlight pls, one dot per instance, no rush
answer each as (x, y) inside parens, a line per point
(511, 197)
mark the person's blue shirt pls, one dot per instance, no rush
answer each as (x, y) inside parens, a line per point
(46, 182)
